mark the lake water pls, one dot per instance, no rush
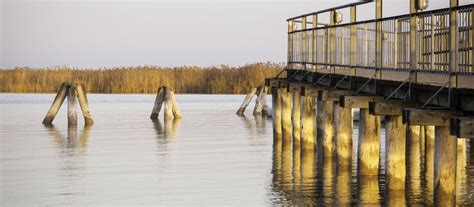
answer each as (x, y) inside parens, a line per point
(209, 158)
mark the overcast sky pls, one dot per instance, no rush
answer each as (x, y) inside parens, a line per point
(107, 33)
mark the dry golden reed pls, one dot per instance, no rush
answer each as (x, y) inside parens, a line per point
(142, 79)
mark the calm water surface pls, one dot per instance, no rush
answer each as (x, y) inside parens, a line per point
(210, 158)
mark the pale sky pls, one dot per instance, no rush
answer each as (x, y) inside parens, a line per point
(107, 33)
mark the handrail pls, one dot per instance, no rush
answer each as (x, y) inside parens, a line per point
(331, 9)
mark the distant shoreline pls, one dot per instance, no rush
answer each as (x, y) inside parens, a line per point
(141, 79)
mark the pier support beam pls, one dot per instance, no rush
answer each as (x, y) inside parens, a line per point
(308, 123)
(395, 148)
(296, 117)
(369, 143)
(344, 119)
(445, 167)
(286, 116)
(328, 130)
(276, 108)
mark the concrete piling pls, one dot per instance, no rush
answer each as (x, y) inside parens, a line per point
(369, 143)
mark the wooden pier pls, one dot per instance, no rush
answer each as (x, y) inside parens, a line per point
(415, 71)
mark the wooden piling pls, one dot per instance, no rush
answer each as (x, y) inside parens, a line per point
(71, 106)
(81, 96)
(58, 101)
(429, 161)
(160, 98)
(247, 100)
(276, 108)
(414, 159)
(174, 105)
(168, 104)
(286, 116)
(308, 123)
(344, 123)
(445, 167)
(261, 102)
(328, 131)
(396, 149)
(369, 143)
(296, 117)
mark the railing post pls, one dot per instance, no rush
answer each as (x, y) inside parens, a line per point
(290, 42)
(315, 42)
(304, 54)
(332, 42)
(378, 42)
(453, 52)
(353, 45)
(413, 56)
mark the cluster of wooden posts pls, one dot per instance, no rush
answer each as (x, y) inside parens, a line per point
(72, 91)
(311, 119)
(261, 107)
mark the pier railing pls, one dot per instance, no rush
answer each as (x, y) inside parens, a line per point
(314, 46)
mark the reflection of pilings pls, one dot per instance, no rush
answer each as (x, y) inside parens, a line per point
(308, 123)
(286, 116)
(286, 164)
(429, 162)
(395, 149)
(71, 140)
(277, 168)
(396, 198)
(445, 168)
(344, 185)
(308, 174)
(328, 131)
(369, 190)
(296, 173)
(343, 119)
(329, 179)
(169, 129)
(414, 164)
(276, 108)
(296, 118)
(369, 143)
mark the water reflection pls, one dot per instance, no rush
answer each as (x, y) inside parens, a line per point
(167, 131)
(256, 125)
(72, 140)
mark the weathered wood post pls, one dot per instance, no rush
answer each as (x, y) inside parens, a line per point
(247, 100)
(58, 101)
(160, 98)
(344, 123)
(71, 91)
(296, 117)
(165, 96)
(261, 102)
(414, 158)
(276, 108)
(328, 131)
(286, 116)
(369, 133)
(429, 160)
(445, 158)
(308, 121)
(81, 95)
(395, 148)
(71, 106)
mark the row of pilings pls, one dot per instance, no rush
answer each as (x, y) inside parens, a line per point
(306, 125)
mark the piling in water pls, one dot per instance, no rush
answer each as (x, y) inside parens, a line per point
(276, 106)
(395, 146)
(166, 96)
(71, 91)
(344, 122)
(445, 167)
(58, 101)
(369, 143)
(328, 131)
(248, 98)
(296, 117)
(286, 116)
(308, 123)
(261, 107)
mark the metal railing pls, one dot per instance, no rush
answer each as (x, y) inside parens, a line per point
(314, 46)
